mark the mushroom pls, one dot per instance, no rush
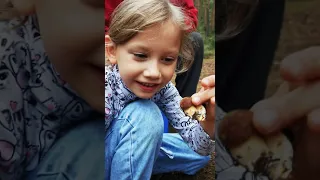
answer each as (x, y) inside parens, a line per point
(194, 112)
(266, 155)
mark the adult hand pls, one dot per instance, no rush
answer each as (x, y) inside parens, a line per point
(207, 95)
(296, 98)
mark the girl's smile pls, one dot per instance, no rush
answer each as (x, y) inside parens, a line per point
(148, 87)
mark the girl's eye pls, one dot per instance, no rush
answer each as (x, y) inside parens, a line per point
(140, 55)
(168, 60)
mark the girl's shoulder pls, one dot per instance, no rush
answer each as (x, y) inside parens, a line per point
(20, 30)
(13, 25)
(20, 38)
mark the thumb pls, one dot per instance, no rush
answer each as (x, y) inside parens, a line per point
(277, 112)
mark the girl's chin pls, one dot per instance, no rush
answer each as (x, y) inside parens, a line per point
(145, 96)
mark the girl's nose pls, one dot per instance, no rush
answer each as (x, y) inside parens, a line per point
(152, 71)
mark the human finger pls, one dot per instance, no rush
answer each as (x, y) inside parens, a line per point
(302, 66)
(203, 96)
(275, 113)
(208, 81)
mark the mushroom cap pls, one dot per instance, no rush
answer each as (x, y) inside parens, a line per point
(194, 112)
(185, 103)
(236, 128)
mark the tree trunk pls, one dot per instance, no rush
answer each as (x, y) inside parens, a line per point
(205, 6)
(212, 18)
(197, 4)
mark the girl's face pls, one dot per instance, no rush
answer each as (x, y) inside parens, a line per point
(148, 61)
(73, 36)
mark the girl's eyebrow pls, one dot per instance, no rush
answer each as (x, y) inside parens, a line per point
(141, 47)
(146, 49)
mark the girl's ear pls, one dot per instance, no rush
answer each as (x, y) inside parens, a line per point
(110, 50)
(23, 7)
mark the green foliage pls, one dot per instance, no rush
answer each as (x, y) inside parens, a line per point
(209, 47)
(209, 43)
(206, 32)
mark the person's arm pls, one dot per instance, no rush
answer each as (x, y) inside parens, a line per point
(14, 55)
(189, 129)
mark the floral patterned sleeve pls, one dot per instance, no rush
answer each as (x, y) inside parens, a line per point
(36, 104)
(168, 99)
(108, 96)
(225, 166)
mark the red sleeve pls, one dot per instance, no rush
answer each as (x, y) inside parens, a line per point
(109, 5)
(190, 10)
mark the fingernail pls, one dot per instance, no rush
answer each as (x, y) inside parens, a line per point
(314, 117)
(205, 81)
(196, 100)
(266, 119)
(296, 71)
(213, 100)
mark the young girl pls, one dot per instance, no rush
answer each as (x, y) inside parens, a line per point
(51, 80)
(186, 82)
(142, 45)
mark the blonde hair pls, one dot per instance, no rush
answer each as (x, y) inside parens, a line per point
(133, 16)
